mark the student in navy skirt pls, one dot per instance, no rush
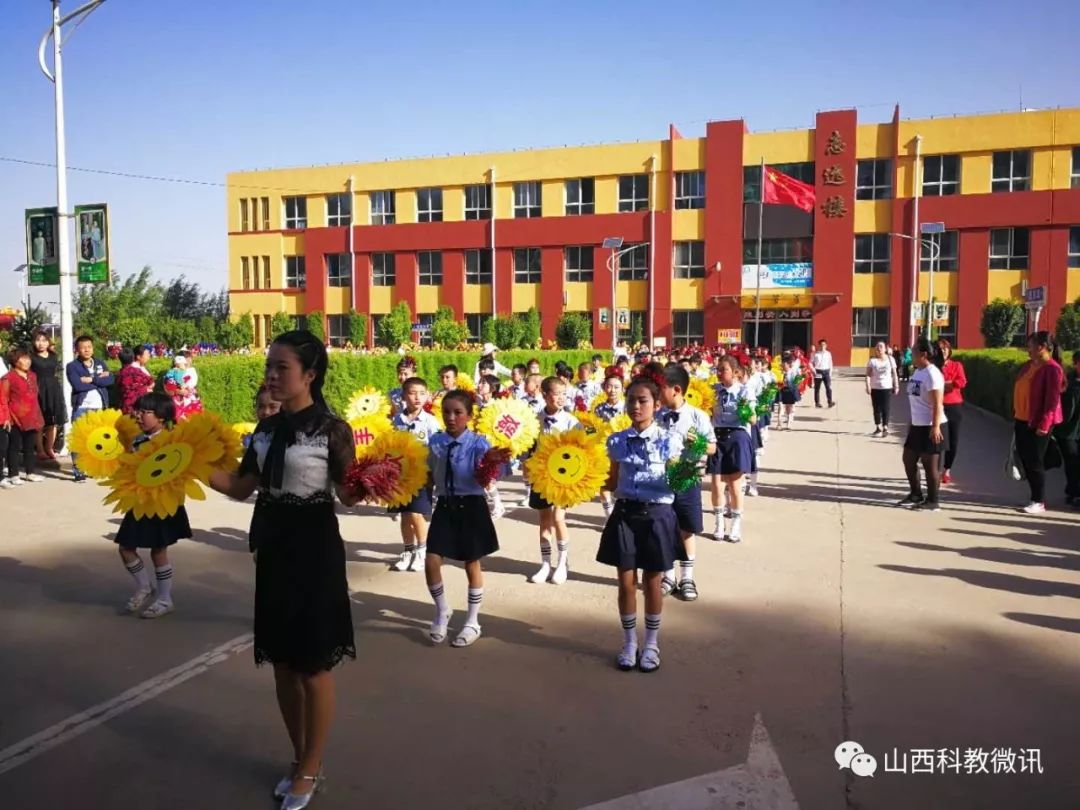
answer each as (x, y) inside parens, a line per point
(155, 412)
(461, 527)
(734, 456)
(643, 531)
(413, 419)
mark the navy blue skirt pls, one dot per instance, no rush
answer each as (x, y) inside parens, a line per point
(153, 532)
(420, 505)
(640, 535)
(688, 511)
(461, 529)
(536, 502)
(735, 451)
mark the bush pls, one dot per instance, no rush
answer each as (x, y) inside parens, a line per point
(357, 328)
(446, 331)
(531, 335)
(1067, 328)
(508, 332)
(280, 324)
(316, 324)
(395, 328)
(1001, 320)
(233, 335)
(572, 330)
(991, 374)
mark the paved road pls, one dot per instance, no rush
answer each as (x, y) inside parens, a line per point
(838, 618)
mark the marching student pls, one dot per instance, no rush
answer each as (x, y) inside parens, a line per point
(642, 531)
(533, 367)
(461, 527)
(553, 417)
(789, 391)
(533, 396)
(755, 385)
(587, 388)
(487, 390)
(608, 410)
(406, 368)
(417, 512)
(682, 418)
(448, 378)
(734, 453)
(517, 380)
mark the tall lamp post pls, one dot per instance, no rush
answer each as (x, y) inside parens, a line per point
(56, 76)
(613, 243)
(24, 286)
(933, 246)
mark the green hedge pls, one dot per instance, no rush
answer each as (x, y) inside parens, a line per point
(991, 374)
(227, 384)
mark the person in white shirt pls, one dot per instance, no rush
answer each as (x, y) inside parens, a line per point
(882, 383)
(928, 436)
(497, 368)
(822, 364)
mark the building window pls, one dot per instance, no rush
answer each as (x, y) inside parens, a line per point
(337, 270)
(477, 266)
(429, 205)
(634, 192)
(337, 330)
(941, 175)
(245, 221)
(752, 177)
(526, 200)
(338, 210)
(425, 320)
(579, 263)
(1075, 174)
(1074, 246)
(295, 213)
(948, 255)
(688, 326)
(266, 327)
(1008, 248)
(872, 252)
(430, 263)
(475, 323)
(948, 331)
(382, 208)
(779, 251)
(689, 260)
(1011, 171)
(299, 321)
(689, 189)
(580, 196)
(266, 273)
(527, 265)
(868, 326)
(873, 179)
(245, 272)
(634, 263)
(478, 202)
(382, 270)
(295, 272)
(375, 321)
(264, 204)
(635, 326)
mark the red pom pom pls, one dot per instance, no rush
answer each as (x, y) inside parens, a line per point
(429, 407)
(373, 479)
(580, 404)
(490, 467)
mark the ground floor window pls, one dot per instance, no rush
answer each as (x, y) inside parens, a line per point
(868, 326)
(475, 322)
(688, 326)
(337, 330)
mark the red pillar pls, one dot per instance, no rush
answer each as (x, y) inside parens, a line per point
(601, 297)
(361, 290)
(662, 275)
(318, 242)
(974, 286)
(834, 236)
(723, 225)
(1058, 275)
(900, 294)
(552, 284)
(504, 284)
(453, 286)
(406, 280)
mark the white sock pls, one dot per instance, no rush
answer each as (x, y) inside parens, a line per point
(629, 629)
(564, 554)
(753, 479)
(409, 548)
(164, 582)
(139, 573)
(670, 574)
(438, 594)
(652, 630)
(736, 523)
(476, 596)
(687, 568)
(545, 554)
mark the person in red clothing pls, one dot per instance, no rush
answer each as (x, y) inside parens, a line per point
(955, 382)
(1037, 409)
(133, 380)
(5, 436)
(20, 390)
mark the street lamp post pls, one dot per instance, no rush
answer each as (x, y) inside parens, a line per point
(24, 286)
(934, 248)
(613, 243)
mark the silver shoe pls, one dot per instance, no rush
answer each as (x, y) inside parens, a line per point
(286, 782)
(293, 801)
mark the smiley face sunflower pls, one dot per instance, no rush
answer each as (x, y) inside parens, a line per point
(100, 438)
(701, 395)
(156, 479)
(568, 468)
(366, 402)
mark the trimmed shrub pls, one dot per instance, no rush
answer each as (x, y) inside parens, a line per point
(280, 324)
(991, 374)
(316, 324)
(1001, 320)
(508, 331)
(1067, 329)
(531, 336)
(395, 328)
(357, 328)
(572, 330)
(446, 331)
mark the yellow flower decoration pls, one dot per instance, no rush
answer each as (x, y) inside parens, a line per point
(244, 428)
(620, 422)
(701, 395)
(593, 423)
(156, 479)
(436, 410)
(568, 468)
(465, 383)
(366, 429)
(365, 402)
(100, 438)
(232, 440)
(412, 453)
(509, 423)
(597, 401)
(713, 379)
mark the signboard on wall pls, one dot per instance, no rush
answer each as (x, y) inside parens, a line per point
(729, 336)
(783, 276)
(779, 314)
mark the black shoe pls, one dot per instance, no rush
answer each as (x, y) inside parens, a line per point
(928, 506)
(80, 477)
(911, 501)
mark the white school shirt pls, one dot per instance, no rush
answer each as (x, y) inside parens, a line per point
(560, 420)
(882, 373)
(423, 426)
(922, 382)
(821, 361)
(725, 412)
(686, 418)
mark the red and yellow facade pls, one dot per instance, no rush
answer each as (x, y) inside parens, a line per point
(835, 145)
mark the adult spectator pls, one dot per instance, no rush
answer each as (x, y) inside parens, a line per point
(904, 362)
(46, 366)
(90, 379)
(18, 388)
(955, 382)
(134, 379)
(488, 353)
(1036, 410)
(882, 384)
(1067, 433)
(928, 436)
(822, 364)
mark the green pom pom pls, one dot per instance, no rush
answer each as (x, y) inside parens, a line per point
(744, 411)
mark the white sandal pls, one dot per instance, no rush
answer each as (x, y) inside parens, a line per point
(137, 600)
(437, 632)
(468, 636)
(650, 660)
(158, 609)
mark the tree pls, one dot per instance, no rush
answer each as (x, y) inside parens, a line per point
(316, 324)
(99, 307)
(176, 333)
(487, 331)
(280, 324)
(446, 331)
(637, 328)
(1067, 329)
(531, 335)
(238, 334)
(572, 330)
(25, 324)
(395, 328)
(185, 300)
(357, 328)
(136, 331)
(1001, 320)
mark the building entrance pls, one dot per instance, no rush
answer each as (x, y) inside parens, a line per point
(779, 335)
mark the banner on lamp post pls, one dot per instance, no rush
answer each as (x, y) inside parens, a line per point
(42, 232)
(92, 243)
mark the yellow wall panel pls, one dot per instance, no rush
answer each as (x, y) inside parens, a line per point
(256, 303)
(975, 172)
(382, 300)
(687, 293)
(316, 211)
(504, 201)
(1060, 166)
(873, 216)
(872, 290)
(578, 296)
(789, 146)
(905, 172)
(525, 296)
(1044, 168)
(689, 154)
(946, 287)
(1005, 284)
(632, 294)
(477, 298)
(992, 132)
(338, 300)
(553, 198)
(874, 141)
(606, 190)
(290, 244)
(686, 225)
(427, 299)
(860, 357)
(453, 204)
(405, 205)
(1072, 285)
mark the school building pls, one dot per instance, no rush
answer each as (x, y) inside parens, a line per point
(662, 236)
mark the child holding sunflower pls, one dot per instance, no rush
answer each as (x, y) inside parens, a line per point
(642, 531)
(416, 514)
(461, 526)
(155, 413)
(734, 454)
(406, 369)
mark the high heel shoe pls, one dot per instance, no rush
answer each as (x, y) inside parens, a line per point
(298, 801)
(283, 786)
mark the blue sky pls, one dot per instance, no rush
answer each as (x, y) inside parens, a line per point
(194, 89)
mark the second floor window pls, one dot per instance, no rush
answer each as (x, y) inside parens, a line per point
(1074, 246)
(338, 209)
(634, 263)
(947, 257)
(1075, 174)
(779, 251)
(689, 189)
(295, 213)
(1008, 248)
(382, 208)
(478, 202)
(295, 272)
(941, 175)
(382, 270)
(430, 264)
(526, 200)
(527, 265)
(634, 192)
(580, 196)
(477, 266)
(872, 253)
(1011, 171)
(245, 272)
(337, 270)
(429, 205)
(873, 179)
(579, 263)
(689, 259)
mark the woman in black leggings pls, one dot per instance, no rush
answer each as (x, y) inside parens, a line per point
(955, 382)
(881, 384)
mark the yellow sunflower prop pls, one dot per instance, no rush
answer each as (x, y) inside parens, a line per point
(509, 423)
(701, 395)
(596, 402)
(156, 479)
(366, 402)
(568, 468)
(100, 438)
(436, 410)
(593, 423)
(366, 429)
(413, 455)
(231, 440)
(465, 383)
(620, 422)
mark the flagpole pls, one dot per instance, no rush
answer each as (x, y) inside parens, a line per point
(760, 218)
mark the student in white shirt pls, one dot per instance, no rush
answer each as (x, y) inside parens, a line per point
(822, 364)
(928, 436)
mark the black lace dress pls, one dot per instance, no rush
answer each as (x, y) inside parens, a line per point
(303, 616)
(50, 392)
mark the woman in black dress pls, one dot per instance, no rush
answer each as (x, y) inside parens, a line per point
(297, 460)
(45, 364)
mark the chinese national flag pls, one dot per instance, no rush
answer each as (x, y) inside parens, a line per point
(783, 189)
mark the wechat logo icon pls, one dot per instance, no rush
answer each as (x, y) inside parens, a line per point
(852, 755)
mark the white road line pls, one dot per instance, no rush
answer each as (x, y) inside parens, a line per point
(25, 750)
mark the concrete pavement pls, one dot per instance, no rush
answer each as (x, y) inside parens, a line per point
(838, 618)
